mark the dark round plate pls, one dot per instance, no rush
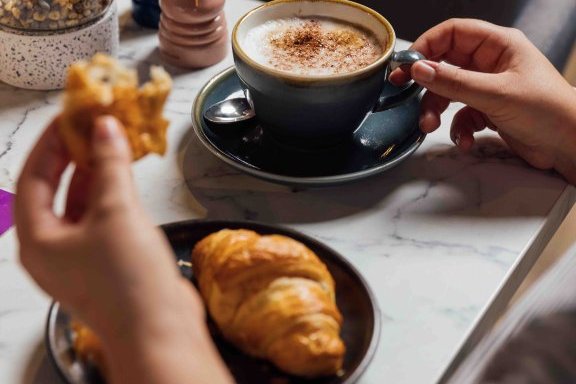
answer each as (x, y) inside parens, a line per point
(381, 142)
(360, 330)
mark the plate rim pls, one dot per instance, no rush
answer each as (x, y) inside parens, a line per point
(366, 360)
(313, 181)
(50, 343)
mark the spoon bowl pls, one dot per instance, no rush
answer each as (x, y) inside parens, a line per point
(230, 111)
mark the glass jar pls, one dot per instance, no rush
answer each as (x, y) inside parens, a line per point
(39, 39)
(50, 15)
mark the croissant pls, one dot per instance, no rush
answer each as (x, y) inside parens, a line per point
(273, 298)
(88, 345)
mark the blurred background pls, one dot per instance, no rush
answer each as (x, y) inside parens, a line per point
(549, 24)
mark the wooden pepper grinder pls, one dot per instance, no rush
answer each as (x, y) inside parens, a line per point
(193, 33)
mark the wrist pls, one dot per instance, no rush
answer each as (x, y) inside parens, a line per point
(565, 163)
(154, 314)
(168, 344)
(565, 159)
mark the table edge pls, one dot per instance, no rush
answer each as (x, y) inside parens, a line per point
(498, 303)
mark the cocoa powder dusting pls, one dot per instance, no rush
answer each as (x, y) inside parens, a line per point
(309, 46)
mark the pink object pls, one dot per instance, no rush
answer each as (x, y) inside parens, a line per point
(193, 33)
(5, 211)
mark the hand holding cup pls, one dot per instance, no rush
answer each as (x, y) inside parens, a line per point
(507, 85)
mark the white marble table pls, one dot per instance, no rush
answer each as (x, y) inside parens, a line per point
(443, 239)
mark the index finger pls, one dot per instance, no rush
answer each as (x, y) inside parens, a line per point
(471, 44)
(38, 183)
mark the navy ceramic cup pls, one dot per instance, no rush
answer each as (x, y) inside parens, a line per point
(319, 110)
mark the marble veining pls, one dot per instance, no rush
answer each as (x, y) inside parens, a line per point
(9, 141)
(434, 237)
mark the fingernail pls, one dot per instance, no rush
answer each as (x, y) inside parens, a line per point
(457, 140)
(429, 121)
(424, 127)
(466, 143)
(424, 71)
(421, 122)
(106, 129)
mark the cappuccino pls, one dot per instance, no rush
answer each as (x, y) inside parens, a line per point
(312, 46)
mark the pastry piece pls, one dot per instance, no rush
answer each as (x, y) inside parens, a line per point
(103, 87)
(273, 298)
(88, 346)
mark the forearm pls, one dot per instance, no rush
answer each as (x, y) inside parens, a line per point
(171, 346)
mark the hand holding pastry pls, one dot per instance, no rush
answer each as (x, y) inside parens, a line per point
(104, 260)
(109, 265)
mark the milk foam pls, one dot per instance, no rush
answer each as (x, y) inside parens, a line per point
(311, 46)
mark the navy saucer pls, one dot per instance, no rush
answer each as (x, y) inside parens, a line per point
(382, 141)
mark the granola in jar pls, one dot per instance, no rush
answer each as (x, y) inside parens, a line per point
(50, 14)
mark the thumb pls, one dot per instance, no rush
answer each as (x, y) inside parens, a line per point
(110, 147)
(476, 89)
(111, 160)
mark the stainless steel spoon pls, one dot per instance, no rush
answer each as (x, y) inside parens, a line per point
(229, 111)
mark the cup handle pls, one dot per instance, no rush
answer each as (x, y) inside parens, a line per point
(399, 58)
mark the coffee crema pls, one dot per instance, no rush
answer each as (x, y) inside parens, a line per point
(312, 46)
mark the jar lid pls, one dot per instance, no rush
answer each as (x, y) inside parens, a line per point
(50, 15)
